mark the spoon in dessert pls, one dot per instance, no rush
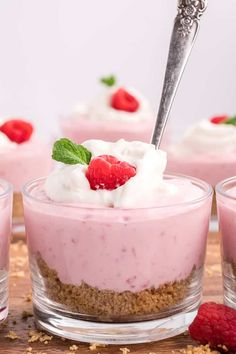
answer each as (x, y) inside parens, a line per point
(184, 33)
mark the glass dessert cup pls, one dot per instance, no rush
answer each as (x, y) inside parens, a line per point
(226, 205)
(5, 232)
(117, 276)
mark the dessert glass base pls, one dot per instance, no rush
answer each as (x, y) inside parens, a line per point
(3, 294)
(111, 275)
(5, 232)
(72, 327)
(229, 282)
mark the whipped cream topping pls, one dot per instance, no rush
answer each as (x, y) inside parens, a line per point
(5, 143)
(100, 108)
(206, 137)
(68, 183)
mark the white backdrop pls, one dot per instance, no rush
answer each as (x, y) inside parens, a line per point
(53, 51)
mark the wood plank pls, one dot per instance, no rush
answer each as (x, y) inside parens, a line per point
(20, 288)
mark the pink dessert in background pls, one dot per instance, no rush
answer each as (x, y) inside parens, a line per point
(204, 167)
(207, 151)
(79, 128)
(117, 112)
(28, 160)
(226, 206)
(227, 215)
(22, 157)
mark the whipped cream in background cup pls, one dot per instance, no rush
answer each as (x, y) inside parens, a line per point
(103, 119)
(23, 157)
(5, 233)
(226, 206)
(117, 266)
(206, 151)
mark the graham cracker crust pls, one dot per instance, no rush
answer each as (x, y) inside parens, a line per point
(17, 205)
(108, 304)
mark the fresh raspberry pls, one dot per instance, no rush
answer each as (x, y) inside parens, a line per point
(124, 101)
(107, 172)
(215, 324)
(219, 119)
(17, 130)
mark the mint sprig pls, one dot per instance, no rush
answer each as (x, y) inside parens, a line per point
(108, 80)
(231, 121)
(64, 150)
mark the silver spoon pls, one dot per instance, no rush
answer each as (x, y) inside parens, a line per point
(184, 33)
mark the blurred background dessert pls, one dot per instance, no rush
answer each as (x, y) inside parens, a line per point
(207, 150)
(118, 111)
(22, 157)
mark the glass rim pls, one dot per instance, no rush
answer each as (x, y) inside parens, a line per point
(219, 188)
(208, 191)
(7, 188)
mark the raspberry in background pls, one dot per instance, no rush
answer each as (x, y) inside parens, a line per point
(215, 324)
(219, 119)
(107, 172)
(17, 130)
(122, 100)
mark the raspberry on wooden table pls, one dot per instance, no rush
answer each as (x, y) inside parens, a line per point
(215, 324)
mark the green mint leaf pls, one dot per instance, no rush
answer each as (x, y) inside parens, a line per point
(108, 80)
(64, 150)
(231, 121)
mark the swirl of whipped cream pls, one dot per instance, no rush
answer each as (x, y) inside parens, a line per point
(206, 137)
(69, 183)
(100, 108)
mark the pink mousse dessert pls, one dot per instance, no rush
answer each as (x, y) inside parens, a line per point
(22, 157)
(117, 112)
(5, 231)
(226, 205)
(111, 239)
(207, 150)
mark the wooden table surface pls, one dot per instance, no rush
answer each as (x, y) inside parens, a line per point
(20, 306)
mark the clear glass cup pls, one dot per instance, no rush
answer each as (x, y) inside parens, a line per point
(111, 275)
(226, 205)
(5, 232)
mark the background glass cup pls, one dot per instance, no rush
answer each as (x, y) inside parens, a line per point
(5, 232)
(226, 205)
(116, 275)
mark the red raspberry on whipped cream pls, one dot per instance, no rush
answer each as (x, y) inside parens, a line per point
(107, 172)
(117, 174)
(219, 119)
(122, 100)
(17, 130)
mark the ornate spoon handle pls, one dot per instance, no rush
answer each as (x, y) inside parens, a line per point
(183, 37)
